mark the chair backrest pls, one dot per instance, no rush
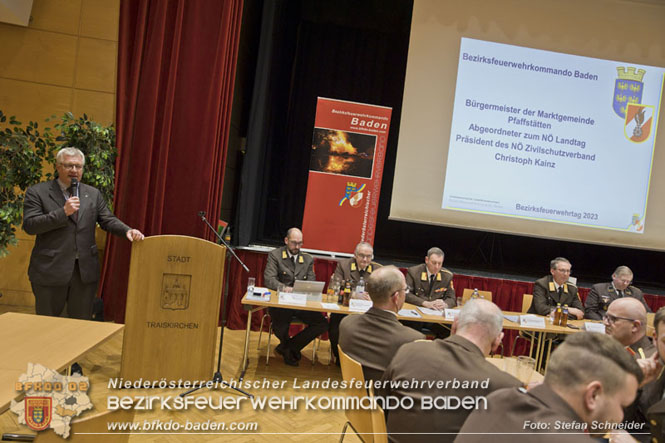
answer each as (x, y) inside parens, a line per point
(527, 299)
(650, 326)
(466, 294)
(378, 422)
(361, 419)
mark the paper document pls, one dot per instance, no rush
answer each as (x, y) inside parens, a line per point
(409, 313)
(428, 311)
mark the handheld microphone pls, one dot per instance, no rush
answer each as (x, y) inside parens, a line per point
(75, 187)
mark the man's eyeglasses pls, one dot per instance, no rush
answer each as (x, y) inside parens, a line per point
(613, 318)
(367, 256)
(71, 166)
(406, 290)
(295, 243)
(564, 271)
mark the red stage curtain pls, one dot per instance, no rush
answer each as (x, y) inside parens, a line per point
(176, 68)
(507, 294)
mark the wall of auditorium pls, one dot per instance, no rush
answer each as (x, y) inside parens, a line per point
(64, 60)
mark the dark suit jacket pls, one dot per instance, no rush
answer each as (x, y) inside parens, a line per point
(595, 308)
(347, 269)
(281, 269)
(373, 338)
(509, 410)
(545, 297)
(60, 238)
(454, 358)
(635, 415)
(418, 283)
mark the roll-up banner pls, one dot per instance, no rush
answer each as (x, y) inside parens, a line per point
(346, 166)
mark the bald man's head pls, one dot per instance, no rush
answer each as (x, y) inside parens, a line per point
(626, 320)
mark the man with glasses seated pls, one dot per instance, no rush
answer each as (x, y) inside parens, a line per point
(602, 294)
(554, 289)
(626, 322)
(63, 213)
(352, 269)
(286, 265)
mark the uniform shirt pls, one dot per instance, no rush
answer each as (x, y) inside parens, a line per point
(417, 279)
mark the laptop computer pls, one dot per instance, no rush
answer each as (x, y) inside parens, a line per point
(312, 288)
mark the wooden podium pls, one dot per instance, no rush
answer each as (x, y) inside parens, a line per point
(173, 298)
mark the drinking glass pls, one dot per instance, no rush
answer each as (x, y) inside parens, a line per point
(525, 367)
(251, 282)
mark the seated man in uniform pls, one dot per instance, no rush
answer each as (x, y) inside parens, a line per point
(374, 337)
(626, 322)
(555, 288)
(420, 366)
(652, 398)
(352, 269)
(286, 265)
(602, 294)
(589, 380)
(431, 286)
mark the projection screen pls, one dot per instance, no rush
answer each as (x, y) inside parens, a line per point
(536, 118)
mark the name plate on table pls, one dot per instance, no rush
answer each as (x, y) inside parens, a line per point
(532, 321)
(594, 327)
(292, 298)
(428, 311)
(359, 305)
(329, 306)
(451, 314)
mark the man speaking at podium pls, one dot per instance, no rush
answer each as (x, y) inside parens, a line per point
(63, 213)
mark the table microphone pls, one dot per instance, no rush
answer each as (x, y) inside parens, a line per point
(75, 187)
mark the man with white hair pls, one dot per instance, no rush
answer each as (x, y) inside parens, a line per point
(452, 369)
(63, 214)
(602, 294)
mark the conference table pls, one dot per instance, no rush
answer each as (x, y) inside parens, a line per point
(53, 342)
(539, 334)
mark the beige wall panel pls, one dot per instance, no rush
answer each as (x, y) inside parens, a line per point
(99, 19)
(38, 56)
(95, 66)
(56, 15)
(31, 101)
(17, 298)
(99, 106)
(15, 269)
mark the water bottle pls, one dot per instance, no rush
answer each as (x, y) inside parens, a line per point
(475, 294)
(360, 287)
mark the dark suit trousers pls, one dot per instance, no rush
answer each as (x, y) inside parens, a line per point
(333, 332)
(79, 297)
(281, 321)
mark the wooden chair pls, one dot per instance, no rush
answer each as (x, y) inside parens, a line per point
(650, 326)
(378, 422)
(466, 295)
(527, 299)
(360, 420)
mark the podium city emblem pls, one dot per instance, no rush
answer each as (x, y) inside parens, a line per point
(175, 291)
(639, 119)
(38, 412)
(628, 89)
